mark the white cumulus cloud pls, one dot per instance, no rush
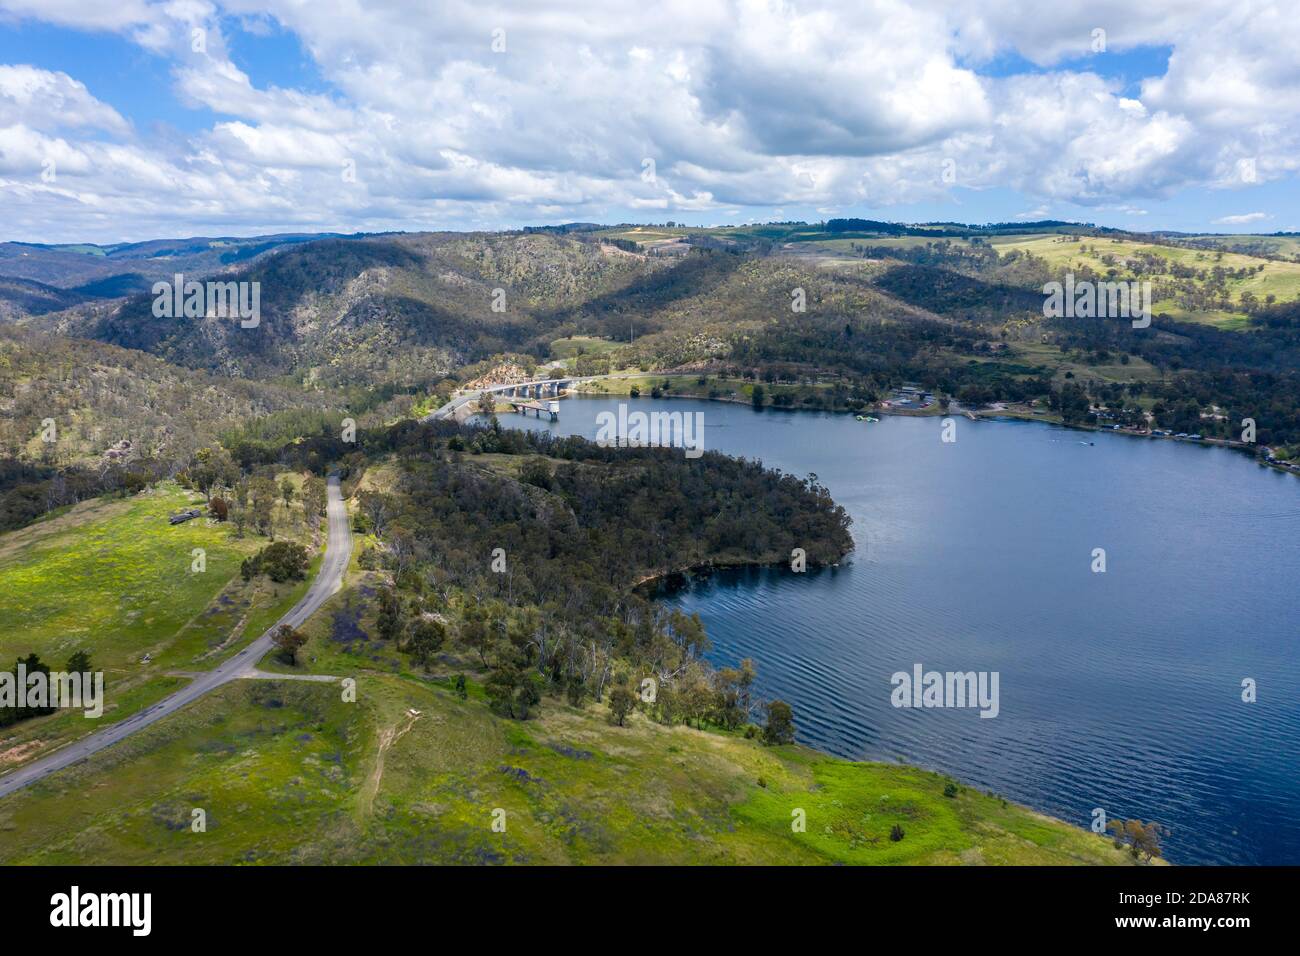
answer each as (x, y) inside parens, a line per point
(466, 114)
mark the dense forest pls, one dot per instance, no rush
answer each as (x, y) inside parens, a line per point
(526, 551)
(101, 396)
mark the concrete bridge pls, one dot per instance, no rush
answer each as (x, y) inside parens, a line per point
(550, 387)
(538, 389)
(523, 407)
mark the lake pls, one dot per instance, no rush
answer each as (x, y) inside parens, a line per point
(1119, 690)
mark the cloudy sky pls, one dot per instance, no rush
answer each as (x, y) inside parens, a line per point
(130, 119)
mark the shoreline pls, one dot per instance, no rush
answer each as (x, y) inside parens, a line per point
(654, 583)
(651, 581)
(973, 415)
(661, 586)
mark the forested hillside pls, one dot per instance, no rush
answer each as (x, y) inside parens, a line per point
(100, 395)
(839, 317)
(79, 418)
(394, 309)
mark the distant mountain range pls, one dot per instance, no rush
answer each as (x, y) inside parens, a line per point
(95, 271)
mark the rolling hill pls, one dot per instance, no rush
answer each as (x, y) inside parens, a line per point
(866, 305)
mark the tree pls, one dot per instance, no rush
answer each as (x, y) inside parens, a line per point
(286, 490)
(377, 507)
(728, 698)
(733, 703)
(688, 631)
(427, 636)
(503, 680)
(313, 498)
(289, 641)
(281, 561)
(261, 502)
(757, 398)
(511, 689)
(696, 700)
(536, 471)
(212, 466)
(79, 663)
(1142, 839)
(745, 686)
(12, 714)
(390, 617)
(780, 723)
(529, 695)
(574, 690)
(461, 690)
(621, 702)
(475, 634)
(487, 404)
(668, 705)
(402, 548)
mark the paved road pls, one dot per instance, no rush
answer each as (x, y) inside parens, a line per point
(243, 664)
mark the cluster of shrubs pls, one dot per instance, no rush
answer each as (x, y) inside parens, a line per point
(78, 663)
(281, 561)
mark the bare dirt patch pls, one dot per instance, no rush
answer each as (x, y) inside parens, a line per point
(387, 738)
(21, 752)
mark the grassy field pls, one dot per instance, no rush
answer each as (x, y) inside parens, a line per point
(1228, 321)
(647, 233)
(1051, 357)
(1273, 245)
(1281, 279)
(112, 577)
(576, 345)
(879, 246)
(688, 385)
(287, 772)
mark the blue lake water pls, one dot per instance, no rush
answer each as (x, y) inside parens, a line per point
(1119, 690)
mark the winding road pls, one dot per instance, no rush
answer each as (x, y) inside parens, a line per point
(244, 664)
